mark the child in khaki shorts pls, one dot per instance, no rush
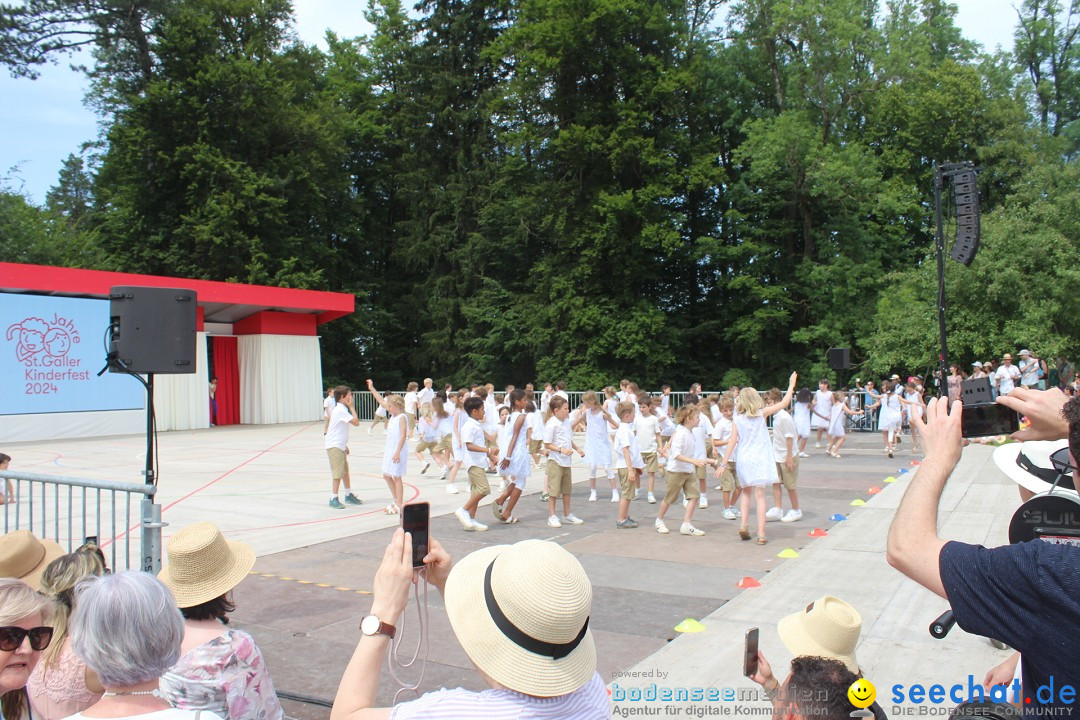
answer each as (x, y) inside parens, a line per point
(559, 441)
(477, 456)
(628, 463)
(721, 435)
(681, 476)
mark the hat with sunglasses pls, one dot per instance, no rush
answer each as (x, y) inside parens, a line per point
(203, 565)
(1036, 464)
(24, 556)
(827, 627)
(521, 613)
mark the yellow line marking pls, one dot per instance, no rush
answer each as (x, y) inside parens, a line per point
(309, 582)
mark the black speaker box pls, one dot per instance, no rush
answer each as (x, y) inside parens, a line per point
(153, 330)
(839, 358)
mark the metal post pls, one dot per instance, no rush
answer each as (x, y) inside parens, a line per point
(151, 536)
(939, 244)
(149, 472)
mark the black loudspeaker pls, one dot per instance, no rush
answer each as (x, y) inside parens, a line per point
(839, 358)
(153, 330)
(966, 197)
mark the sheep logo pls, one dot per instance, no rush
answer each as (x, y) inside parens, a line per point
(35, 337)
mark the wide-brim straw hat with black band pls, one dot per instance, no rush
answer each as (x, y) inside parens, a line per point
(827, 627)
(203, 565)
(521, 612)
(24, 556)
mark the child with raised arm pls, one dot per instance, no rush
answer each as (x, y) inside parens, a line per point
(477, 458)
(628, 463)
(515, 461)
(757, 467)
(559, 441)
(395, 458)
(680, 474)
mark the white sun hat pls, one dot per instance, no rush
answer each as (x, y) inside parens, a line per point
(1029, 464)
(521, 613)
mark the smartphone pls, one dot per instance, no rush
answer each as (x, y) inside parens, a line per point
(414, 520)
(988, 419)
(750, 663)
(90, 540)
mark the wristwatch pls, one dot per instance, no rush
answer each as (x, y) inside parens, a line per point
(372, 625)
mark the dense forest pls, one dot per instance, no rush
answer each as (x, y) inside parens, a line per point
(668, 190)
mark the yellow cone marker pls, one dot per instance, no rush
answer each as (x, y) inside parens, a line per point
(858, 502)
(890, 479)
(787, 553)
(689, 625)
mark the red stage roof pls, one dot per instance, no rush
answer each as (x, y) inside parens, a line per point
(222, 302)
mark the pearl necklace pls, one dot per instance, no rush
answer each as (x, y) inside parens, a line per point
(155, 693)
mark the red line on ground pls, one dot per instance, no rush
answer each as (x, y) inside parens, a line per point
(224, 475)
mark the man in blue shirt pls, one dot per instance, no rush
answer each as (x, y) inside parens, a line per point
(1026, 595)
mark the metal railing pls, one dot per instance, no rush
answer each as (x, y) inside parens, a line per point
(69, 510)
(365, 405)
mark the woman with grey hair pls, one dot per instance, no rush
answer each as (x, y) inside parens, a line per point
(127, 629)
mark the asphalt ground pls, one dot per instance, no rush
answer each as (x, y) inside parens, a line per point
(304, 605)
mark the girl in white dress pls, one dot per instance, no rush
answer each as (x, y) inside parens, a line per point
(597, 442)
(503, 442)
(515, 457)
(395, 459)
(757, 465)
(889, 417)
(913, 398)
(802, 419)
(837, 434)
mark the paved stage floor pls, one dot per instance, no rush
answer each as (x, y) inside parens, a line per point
(269, 487)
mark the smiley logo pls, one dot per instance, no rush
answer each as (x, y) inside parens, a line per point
(862, 693)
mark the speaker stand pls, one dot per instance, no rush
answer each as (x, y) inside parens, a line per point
(150, 428)
(939, 246)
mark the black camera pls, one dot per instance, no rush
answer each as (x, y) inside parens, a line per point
(982, 416)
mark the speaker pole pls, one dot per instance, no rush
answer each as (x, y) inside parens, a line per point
(149, 472)
(939, 245)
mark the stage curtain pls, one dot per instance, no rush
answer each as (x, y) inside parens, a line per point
(180, 401)
(227, 371)
(280, 379)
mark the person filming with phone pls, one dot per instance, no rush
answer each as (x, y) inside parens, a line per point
(520, 612)
(1026, 594)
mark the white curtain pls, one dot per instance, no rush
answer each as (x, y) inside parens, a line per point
(182, 402)
(280, 379)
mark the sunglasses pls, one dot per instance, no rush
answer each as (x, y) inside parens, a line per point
(11, 638)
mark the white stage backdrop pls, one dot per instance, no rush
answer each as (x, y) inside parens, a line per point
(279, 375)
(182, 402)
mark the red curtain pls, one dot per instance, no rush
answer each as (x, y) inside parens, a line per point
(227, 371)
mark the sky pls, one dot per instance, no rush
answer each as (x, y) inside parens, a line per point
(43, 121)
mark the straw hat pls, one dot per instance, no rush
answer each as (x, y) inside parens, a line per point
(24, 556)
(1028, 464)
(521, 612)
(203, 565)
(1006, 356)
(828, 627)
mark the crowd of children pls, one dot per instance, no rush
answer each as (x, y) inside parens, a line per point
(630, 439)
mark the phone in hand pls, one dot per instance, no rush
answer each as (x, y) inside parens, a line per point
(750, 660)
(414, 520)
(985, 419)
